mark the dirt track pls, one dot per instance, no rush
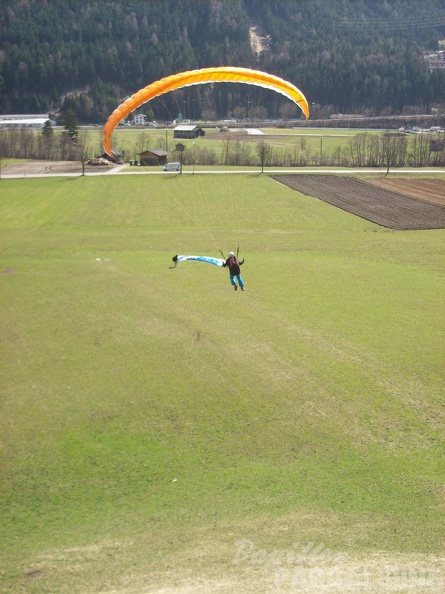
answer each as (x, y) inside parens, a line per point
(391, 209)
(47, 167)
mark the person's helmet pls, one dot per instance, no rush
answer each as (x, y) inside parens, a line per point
(231, 254)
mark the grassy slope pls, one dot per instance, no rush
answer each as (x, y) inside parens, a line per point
(308, 409)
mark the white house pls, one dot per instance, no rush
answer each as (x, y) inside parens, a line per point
(139, 119)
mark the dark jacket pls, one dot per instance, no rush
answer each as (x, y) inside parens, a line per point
(234, 265)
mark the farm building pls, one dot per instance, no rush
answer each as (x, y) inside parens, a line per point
(153, 157)
(25, 120)
(187, 131)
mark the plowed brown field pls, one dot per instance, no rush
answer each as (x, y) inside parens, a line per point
(432, 190)
(372, 202)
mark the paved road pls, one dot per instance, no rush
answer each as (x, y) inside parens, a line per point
(125, 170)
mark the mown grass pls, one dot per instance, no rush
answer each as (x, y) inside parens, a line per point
(152, 417)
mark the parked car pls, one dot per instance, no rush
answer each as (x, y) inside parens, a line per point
(172, 167)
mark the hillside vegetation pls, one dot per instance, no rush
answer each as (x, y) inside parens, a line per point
(346, 55)
(153, 419)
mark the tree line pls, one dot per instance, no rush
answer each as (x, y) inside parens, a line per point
(347, 56)
(385, 150)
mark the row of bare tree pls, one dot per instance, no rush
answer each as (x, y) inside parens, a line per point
(397, 150)
(27, 144)
(390, 150)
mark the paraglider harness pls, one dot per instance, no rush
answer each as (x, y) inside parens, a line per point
(233, 263)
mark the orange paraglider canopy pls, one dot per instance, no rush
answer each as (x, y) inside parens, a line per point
(197, 77)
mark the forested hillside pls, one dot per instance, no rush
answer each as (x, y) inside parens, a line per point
(345, 55)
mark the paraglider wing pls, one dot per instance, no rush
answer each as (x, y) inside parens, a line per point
(206, 259)
(197, 77)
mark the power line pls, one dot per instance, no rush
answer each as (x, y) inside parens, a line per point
(432, 21)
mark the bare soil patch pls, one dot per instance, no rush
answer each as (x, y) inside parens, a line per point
(48, 167)
(432, 190)
(377, 573)
(379, 205)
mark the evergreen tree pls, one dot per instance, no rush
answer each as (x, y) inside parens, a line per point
(71, 127)
(351, 54)
(47, 130)
(48, 139)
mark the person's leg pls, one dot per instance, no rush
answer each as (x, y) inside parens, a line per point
(241, 282)
(232, 281)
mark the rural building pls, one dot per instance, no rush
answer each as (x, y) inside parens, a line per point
(25, 120)
(187, 131)
(139, 120)
(435, 60)
(153, 157)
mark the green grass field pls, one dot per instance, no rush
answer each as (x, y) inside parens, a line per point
(313, 140)
(153, 418)
(131, 141)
